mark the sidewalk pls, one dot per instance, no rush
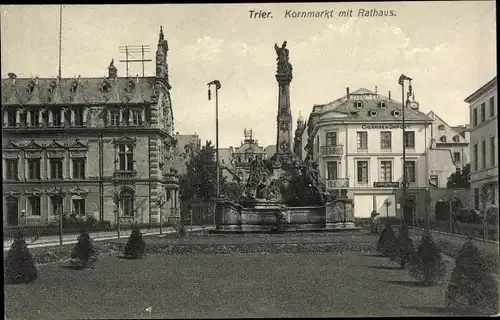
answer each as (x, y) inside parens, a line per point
(99, 236)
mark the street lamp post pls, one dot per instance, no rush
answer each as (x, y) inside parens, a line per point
(217, 85)
(401, 80)
(60, 197)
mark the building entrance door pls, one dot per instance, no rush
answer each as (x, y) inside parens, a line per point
(12, 206)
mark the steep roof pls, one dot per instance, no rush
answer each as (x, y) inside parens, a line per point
(371, 101)
(78, 91)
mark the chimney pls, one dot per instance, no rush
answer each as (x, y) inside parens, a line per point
(389, 94)
(112, 71)
(375, 89)
(347, 91)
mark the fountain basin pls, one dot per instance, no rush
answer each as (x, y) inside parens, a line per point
(262, 217)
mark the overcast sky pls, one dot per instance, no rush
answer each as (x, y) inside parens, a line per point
(448, 48)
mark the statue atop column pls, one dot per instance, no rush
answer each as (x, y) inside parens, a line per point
(284, 67)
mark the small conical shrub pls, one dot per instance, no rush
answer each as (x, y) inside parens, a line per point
(20, 266)
(405, 249)
(472, 287)
(427, 263)
(136, 246)
(387, 243)
(84, 251)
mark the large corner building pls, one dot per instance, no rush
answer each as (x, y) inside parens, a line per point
(357, 141)
(91, 140)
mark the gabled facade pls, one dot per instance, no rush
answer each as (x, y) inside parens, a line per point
(91, 139)
(237, 160)
(449, 150)
(483, 107)
(357, 141)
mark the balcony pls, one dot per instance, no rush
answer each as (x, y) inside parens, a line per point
(122, 174)
(244, 165)
(332, 150)
(337, 184)
(171, 178)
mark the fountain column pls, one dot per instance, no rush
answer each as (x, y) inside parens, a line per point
(284, 138)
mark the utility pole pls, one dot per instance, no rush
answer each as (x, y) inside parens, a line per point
(217, 85)
(60, 39)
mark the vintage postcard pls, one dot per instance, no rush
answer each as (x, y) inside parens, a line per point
(250, 160)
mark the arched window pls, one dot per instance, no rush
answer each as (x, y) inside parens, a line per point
(396, 113)
(441, 127)
(359, 104)
(127, 202)
(456, 138)
(372, 113)
(443, 138)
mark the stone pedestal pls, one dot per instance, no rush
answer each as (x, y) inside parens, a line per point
(227, 216)
(339, 214)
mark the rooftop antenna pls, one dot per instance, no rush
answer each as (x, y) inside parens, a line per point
(134, 49)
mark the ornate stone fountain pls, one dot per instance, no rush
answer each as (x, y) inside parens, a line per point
(284, 189)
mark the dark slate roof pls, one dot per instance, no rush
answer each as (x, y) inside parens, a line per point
(40, 91)
(371, 101)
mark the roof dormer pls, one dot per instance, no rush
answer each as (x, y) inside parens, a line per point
(358, 104)
(372, 113)
(396, 113)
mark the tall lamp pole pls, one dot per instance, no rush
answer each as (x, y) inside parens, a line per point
(217, 85)
(401, 80)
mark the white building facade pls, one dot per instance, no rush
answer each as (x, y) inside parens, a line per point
(358, 140)
(484, 144)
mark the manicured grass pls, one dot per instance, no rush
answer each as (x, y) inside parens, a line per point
(243, 285)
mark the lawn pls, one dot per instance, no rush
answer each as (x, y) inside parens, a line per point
(328, 284)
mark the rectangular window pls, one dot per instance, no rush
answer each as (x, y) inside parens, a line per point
(475, 156)
(78, 112)
(34, 206)
(78, 168)
(362, 139)
(476, 198)
(434, 181)
(57, 205)
(136, 117)
(34, 169)
(126, 157)
(331, 139)
(56, 118)
(409, 137)
(386, 171)
(474, 117)
(56, 167)
(410, 171)
(362, 171)
(11, 168)
(385, 140)
(483, 153)
(483, 112)
(492, 107)
(79, 206)
(11, 118)
(492, 151)
(128, 206)
(456, 156)
(332, 170)
(114, 117)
